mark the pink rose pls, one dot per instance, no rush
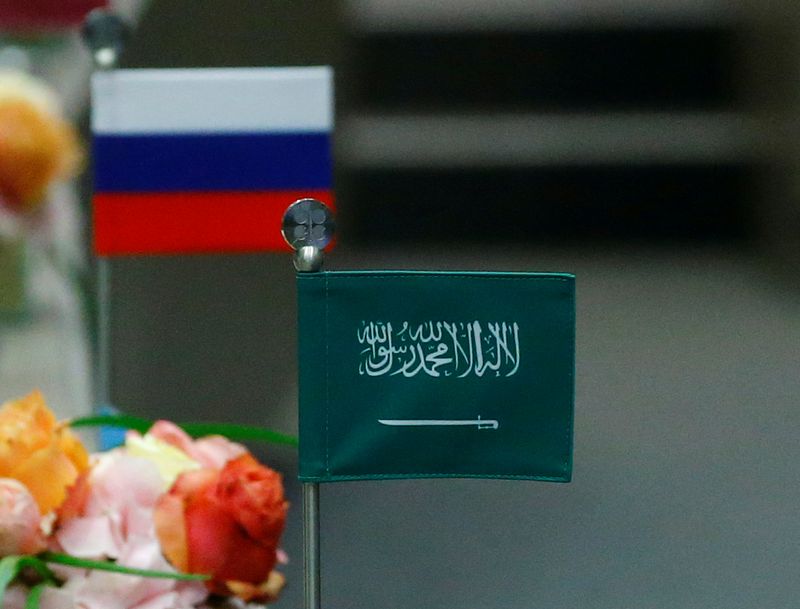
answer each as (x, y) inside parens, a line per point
(210, 451)
(109, 514)
(19, 520)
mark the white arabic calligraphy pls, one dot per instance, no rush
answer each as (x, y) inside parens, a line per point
(438, 349)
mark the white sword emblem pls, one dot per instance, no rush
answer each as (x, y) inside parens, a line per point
(479, 422)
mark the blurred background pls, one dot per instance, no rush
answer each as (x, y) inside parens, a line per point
(651, 148)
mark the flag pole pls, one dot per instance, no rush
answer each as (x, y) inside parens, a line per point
(308, 227)
(102, 395)
(311, 571)
(308, 259)
(104, 33)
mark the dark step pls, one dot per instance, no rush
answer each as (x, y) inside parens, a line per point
(614, 69)
(692, 202)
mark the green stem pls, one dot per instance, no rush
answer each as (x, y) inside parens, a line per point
(10, 566)
(229, 430)
(32, 602)
(106, 565)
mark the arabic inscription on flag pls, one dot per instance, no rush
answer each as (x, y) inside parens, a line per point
(439, 349)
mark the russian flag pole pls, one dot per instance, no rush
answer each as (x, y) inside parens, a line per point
(104, 34)
(308, 227)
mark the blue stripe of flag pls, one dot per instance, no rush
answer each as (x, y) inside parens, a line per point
(212, 162)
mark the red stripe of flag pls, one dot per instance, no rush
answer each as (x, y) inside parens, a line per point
(44, 14)
(206, 222)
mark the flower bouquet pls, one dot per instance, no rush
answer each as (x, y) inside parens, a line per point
(164, 521)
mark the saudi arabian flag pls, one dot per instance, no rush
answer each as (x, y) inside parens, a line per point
(436, 374)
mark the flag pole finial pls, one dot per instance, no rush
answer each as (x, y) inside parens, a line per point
(308, 259)
(105, 34)
(308, 227)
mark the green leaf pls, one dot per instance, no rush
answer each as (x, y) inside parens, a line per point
(106, 565)
(10, 566)
(229, 430)
(32, 602)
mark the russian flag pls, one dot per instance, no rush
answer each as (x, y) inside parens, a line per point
(206, 160)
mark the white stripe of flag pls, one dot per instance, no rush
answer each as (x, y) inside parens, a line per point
(213, 100)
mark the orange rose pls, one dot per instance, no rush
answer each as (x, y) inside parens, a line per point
(37, 146)
(34, 449)
(226, 523)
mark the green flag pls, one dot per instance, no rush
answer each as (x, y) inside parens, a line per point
(436, 374)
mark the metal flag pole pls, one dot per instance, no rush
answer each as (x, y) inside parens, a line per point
(308, 227)
(104, 34)
(311, 571)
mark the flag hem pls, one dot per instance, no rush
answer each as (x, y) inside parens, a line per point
(567, 477)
